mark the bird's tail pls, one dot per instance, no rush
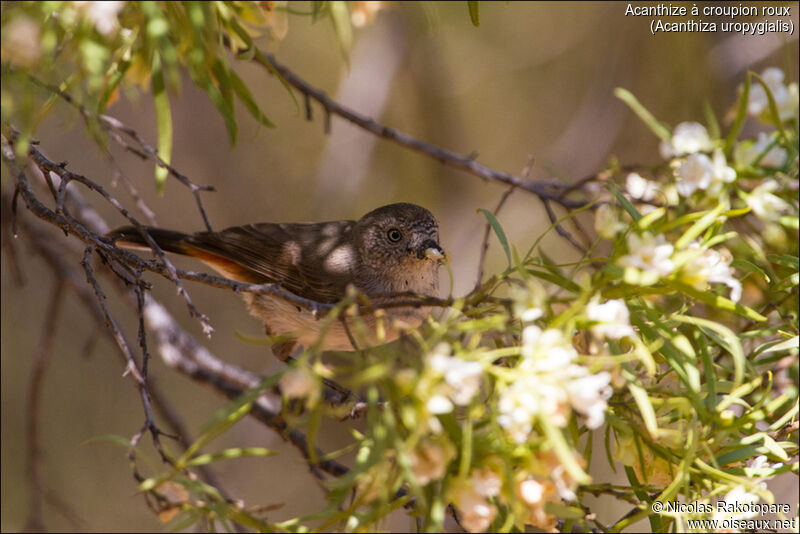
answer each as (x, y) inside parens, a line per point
(168, 240)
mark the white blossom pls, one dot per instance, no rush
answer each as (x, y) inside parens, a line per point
(612, 317)
(736, 505)
(462, 380)
(104, 15)
(640, 188)
(649, 254)
(766, 205)
(698, 171)
(746, 152)
(786, 97)
(687, 138)
(711, 265)
(588, 395)
(548, 383)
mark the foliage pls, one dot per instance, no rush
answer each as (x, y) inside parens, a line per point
(673, 342)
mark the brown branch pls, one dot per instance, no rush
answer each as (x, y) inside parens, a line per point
(545, 191)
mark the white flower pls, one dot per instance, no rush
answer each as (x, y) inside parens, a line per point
(547, 383)
(639, 188)
(687, 138)
(606, 223)
(545, 351)
(439, 404)
(710, 265)
(517, 406)
(649, 254)
(766, 205)
(746, 152)
(296, 383)
(736, 505)
(785, 97)
(588, 395)
(531, 491)
(462, 379)
(104, 15)
(429, 462)
(699, 171)
(613, 319)
(529, 301)
(475, 512)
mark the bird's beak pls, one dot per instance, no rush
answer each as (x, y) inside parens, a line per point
(431, 250)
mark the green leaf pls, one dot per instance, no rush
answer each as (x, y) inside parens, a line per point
(718, 302)
(741, 113)
(786, 259)
(164, 121)
(474, 16)
(699, 226)
(340, 16)
(244, 95)
(556, 279)
(645, 407)
(778, 345)
(630, 208)
(498, 230)
(661, 131)
(725, 338)
(228, 454)
(773, 108)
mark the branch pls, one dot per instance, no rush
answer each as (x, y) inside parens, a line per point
(546, 191)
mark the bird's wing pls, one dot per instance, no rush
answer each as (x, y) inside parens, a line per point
(310, 260)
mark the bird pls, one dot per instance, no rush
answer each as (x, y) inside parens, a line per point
(391, 250)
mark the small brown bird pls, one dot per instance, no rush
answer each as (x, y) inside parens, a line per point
(392, 249)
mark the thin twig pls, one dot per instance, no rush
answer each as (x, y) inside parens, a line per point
(548, 191)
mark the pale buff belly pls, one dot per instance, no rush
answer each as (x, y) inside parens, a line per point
(284, 318)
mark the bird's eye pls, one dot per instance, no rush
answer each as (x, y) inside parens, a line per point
(394, 235)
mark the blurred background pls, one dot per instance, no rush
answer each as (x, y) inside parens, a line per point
(534, 80)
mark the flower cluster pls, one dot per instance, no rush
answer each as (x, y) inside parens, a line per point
(547, 382)
(461, 380)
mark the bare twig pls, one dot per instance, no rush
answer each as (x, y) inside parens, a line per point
(546, 191)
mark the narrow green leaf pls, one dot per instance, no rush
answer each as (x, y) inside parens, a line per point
(725, 338)
(711, 120)
(498, 230)
(773, 108)
(474, 16)
(164, 121)
(246, 97)
(718, 302)
(786, 260)
(228, 454)
(699, 226)
(741, 113)
(645, 407)
(560, 281)
(630, 208)
(661, 131)
(778, 345)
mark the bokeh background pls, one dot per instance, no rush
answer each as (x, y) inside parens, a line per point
(534, 80)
